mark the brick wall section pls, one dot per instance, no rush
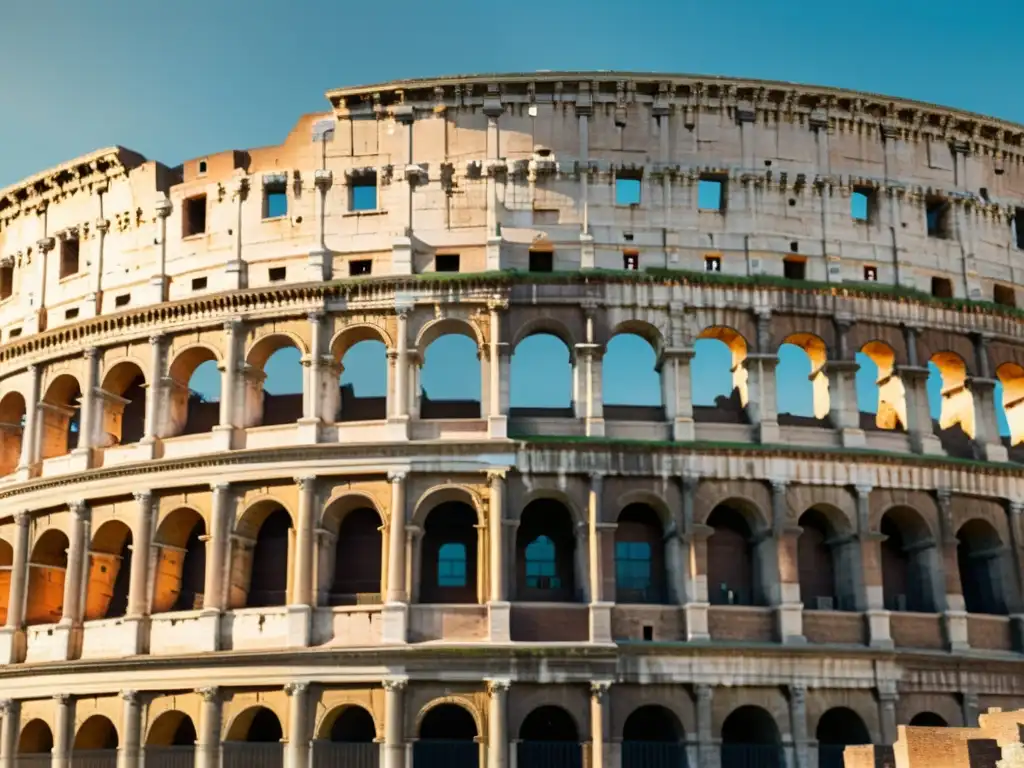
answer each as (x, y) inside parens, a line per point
(834, 627)
(555, 623)
(741, 623)
(916, 630)
(667, 622)
(989, 632)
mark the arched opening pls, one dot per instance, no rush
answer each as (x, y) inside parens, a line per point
(731, 559)
(541, 377)
(981, 558)
(95, 743)
(953, 401)
(347, 738)
(908, 562)
(36, 739)
(653, 737)
(631, 380)
(171, 741)
(750, 737)
(363, 381)
(928, 720)
(60, 412)
(447, 738)
(12, 427)
(879, 390)
(449, 554)
(801, 382)
(122, 405)
(720, 391)
(837, 729)
(266, 564)
(6, 563)
(819, 586)
(110, 567)
(254, 738)
(639, 556)
(273, 382)
(193, 399)
(548, 736)
(181, 562)
(47, 567)
(450, 378)
(545, 553)
(1011, 404)
(357, 558)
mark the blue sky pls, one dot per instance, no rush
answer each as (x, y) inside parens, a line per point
(176, 80)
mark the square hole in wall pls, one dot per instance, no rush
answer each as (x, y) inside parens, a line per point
(277, 274)
(1018, 227)
(275, 201)
(14, 333)
(362, 188)
(871, 273)
(122, 300)
(201, 168)
(627, 190)
(6, 281)
(862, 204)
(193, 216)
(446, 262)
(69, 250)
(938, 218)
(71, 314)
(942, 287)
(198, 283)
(631, 260)
(542, 261)
(711, 193)
(794, 269)
(648, 632)
(360, 267)
(1004, 294)
(712, 263)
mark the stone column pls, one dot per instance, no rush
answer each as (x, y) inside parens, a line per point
(138, 593)
(129, 751)
(398, 403)
(164, 207)
(396, 608)
(19, 573)
(230, 374)
(783, 569)
(87, 417)
(970, 707)
(919, 415)
(78, 555)
(300, 612)
(498, 606)
(600, 713)
(155, 389)
(762, 406)
(986, 428)
(1015, 594)
(297, 751)
(887, 699)
(60, 756)
(10, 710)
(600, 609)
(696, 583)
(707, 755)
(208, 741)
(394, 733)
(946, 583)
(30, 434)
(676, 390)
(798, 721)
(497, 723)
(37, 319)
(216, 548)
(584, 108)
(675, 557)
(872, 597)
(844, 412)
(497, 418)
(313, 391)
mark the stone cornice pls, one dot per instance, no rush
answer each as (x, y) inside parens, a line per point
(85, 172)
(818, 106)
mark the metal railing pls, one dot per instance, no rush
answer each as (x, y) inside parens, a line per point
(98, 758)
(440, 753)
(34, 760)
(241, 754)
(653, 754)
(549, 754)
(339, 754)
(170, 757)
(752, 756)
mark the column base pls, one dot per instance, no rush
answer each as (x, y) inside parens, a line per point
(236, 273)
(300, 623)
(696, 622)
(879, 635)
(12, 645)
(52, 642)
(394, 624)
(594, 427)
(789, 623)
(79, 460)
(24, 473)
(995, 452)
(397, 429)
(853, 438)
(928, 445)
(497, 427)
(157, 290)
(308, 431)
(955, 626)
(133, 639)
(401, 256)
(587, 260)
(499, 622)
(493, 253)
(601, 623)
(222, 438)
(767, 432)
(684, 430)
(318, 265)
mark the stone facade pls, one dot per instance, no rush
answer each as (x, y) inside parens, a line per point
(345, 578)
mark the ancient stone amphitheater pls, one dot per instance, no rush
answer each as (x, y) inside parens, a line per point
(334, 579)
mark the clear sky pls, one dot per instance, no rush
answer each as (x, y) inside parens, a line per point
(176, 80)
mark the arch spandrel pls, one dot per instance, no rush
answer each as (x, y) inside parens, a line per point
(750, 497)
(920, 503)
(931, 343)
(332, 702)
(426, 330)
(118, 372)
(238, 703)
(563, 324)
(348, 332)
(436, 495)
(189, 704)
(837, 504)
(964, 509)
(261, 345)
(675, 698)
(860, 702)
(252, 511)
(344, 501)
(472, 703)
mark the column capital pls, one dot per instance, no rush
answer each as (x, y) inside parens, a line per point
(704, 692)
(496, 475)
(164, 206)
(6, 707)
(297, 688)
(497, 686)
(306, 482)
(599, 688)
(130, 696)
(220, 487)
(1016, 507)
(22, 518)
(142, 497)
(62, 699)
(233, 325)
(780, 486)
(395, 684)
(156, 339)
(315, 316)
(209, 694)
(90, 353)
(396, 476)
(596, 479)
(864, 491)
(402, 313)
(79, 508)
(798, 694)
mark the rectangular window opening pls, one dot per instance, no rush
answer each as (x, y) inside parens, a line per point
(122, 300)
(363, 191)
(871, 273)
(1018, 228)
(631, 260)
(542, 261)
(1004, 294)
(712, 263)
(446, 262)
(627, 190)
(6, 282)
(360, 267)
(193, 219)
(711, 193)
(648, 633)
(862, 204)
(794, 269)
(71, 314)
(69, 257)
(939, 217)
(14, 333)
(942, 287)
(277, 274)
(198, 283)
(275, 202)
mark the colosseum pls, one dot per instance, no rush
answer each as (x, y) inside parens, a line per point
(331, 578)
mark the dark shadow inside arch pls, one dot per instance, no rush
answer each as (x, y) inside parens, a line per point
(653, 737)
(838, 728)
(817, 561)
(36, 739)
(268, 583)
(256, 742)
(447, 738)
(171, 741)
(750, 739)
(357, 559)
(929, 720)
(908, 552)
(731, 559)
(548, 736)
(449, 554)
(980, 555)
(354, 724)
(545, 554)
(96, 734)
(640, 575)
